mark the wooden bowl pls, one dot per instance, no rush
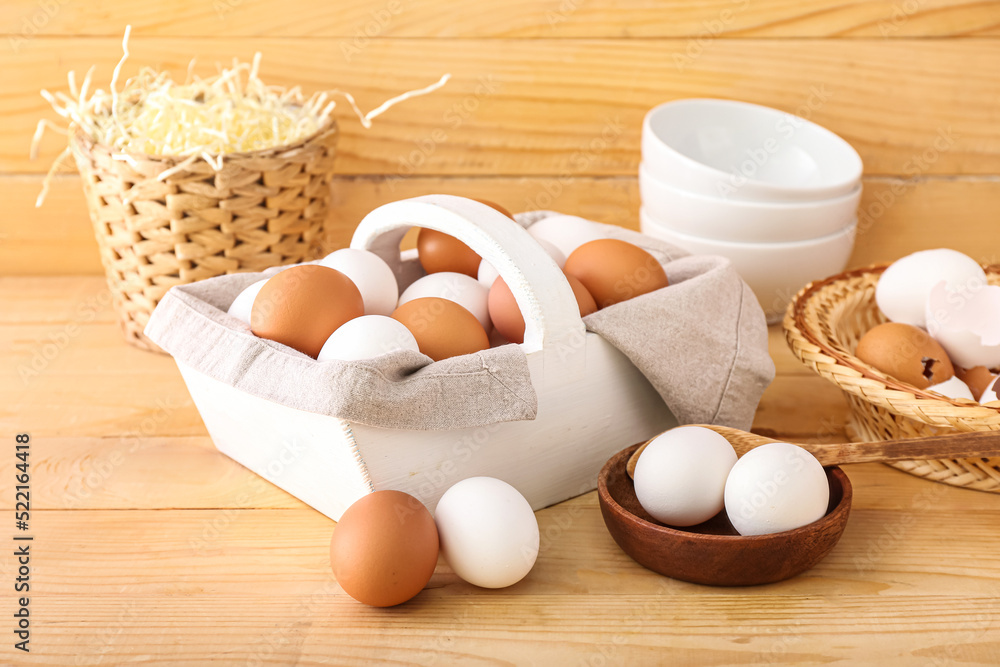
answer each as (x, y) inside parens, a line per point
(713, 553)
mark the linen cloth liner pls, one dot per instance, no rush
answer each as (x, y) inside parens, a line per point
(701, 342)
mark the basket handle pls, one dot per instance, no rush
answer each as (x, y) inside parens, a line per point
(542, 293)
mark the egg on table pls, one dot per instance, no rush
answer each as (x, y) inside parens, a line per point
(488, 532)
(384, 548)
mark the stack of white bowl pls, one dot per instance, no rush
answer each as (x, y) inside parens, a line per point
(776, 194)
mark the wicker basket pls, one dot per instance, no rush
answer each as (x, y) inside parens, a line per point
(823, 325)
(263, 209)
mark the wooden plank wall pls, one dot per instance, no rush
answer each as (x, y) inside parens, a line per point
(546, 101)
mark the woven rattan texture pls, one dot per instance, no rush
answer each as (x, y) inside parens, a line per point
(823, 325)
(262, 209)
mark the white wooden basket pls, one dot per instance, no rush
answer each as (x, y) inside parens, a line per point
(592, 401)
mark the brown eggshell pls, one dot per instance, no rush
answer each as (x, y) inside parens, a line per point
(584, 299)
(506, 315)
(615, 271)
(978, 379)
(496, 207)
(906, 353)
(301, 306)
(384, 548)
(442, 328)
(439, 252)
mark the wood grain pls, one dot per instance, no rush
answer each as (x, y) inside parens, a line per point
(362, 19)
(560, 107)
(898, 216)
(153, 544)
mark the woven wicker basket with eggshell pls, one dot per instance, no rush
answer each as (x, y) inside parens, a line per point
(823, 325)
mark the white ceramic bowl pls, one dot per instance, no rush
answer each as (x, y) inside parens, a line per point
(737, 150)
(774, 271)
(736, 220)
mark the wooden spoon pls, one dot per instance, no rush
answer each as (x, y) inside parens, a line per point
(951, 446)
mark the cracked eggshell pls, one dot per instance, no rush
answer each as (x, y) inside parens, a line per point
(906, 353)
(903, 289)
(966, 323)
(978, 379)
(990, 394)
(953, 388)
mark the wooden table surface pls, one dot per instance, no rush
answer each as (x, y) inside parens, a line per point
(150, 546)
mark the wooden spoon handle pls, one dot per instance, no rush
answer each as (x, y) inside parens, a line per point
(951, 446)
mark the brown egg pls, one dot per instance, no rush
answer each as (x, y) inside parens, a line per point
(978, 379)
(442, 252)
(507, 318)
(442, 328)
(584, 299)
(301, 306)
(496, 206)
(384, 548)
(906, 353)
(615, 271)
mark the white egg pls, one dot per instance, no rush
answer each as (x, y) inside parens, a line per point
(990, 394)
(902, 290)
(776, 487)
(367, 337)
(464, 290)
(953, 388)
(967, 323)
(566, 232)
(488, 533)
(374, 278)
(243, 303)
(680, 478)
(488, 275)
